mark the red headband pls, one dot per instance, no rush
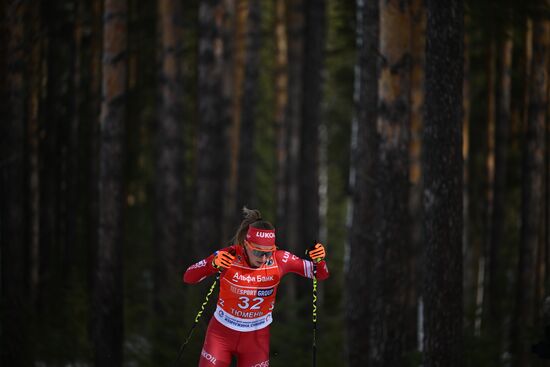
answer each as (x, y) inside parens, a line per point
(262, 237)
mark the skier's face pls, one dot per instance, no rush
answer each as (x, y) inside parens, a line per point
(258, 254)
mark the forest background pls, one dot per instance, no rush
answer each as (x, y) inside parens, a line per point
(133, 133)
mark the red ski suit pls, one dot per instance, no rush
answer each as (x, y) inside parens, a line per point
(240, 325)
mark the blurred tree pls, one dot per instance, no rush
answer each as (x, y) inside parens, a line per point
(314, 59)
(542, 262)
(169, 220)
(232, 38)
(108, 282)
(418, 46)
(391, 189)
(363, 151)
(531, 213)
(73, 162)
(476, 191)
(288, 199)
(288, 212)
(60, 32)
(59, 110)
(245, 194)
(34, 117)
(211, 166)
(442, 193)
(488, 200)
(93, 109)
(469, 260)
(238, 54)
(16, 347)
(89, 171)
(281, 101)
(493, 309)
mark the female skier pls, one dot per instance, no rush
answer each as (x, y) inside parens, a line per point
(250, 272)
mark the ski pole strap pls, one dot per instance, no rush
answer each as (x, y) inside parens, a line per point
(197, 318)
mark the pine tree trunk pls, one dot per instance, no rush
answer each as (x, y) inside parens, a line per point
(59, 130)
(477, 206)
(239, 37)
(14, 301)
(229, 25)
(541, 285)
(533, 163)
(546, 241)
(486, 260)
(418, 46)
(443, 185)
(35, 95)
(55, 116)
(502, 119)
(289, 233)
(74, 182)
(211, 148)
(169, 184)
(108, 282)
(289, 205)
(94, 106)
(391, 179)
(281, 100)
(363, 150)
(246, 172)
(469, 259)
(314, 56)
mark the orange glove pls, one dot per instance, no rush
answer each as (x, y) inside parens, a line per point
(222, 260)
(317, 252)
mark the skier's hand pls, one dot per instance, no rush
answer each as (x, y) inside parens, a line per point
(222, 260)
(317, 253)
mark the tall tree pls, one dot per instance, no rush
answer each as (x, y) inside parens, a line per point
(281, 101)
(470, 261)
(485, 260)
(496, 225)
(391, 192)
(169, 166)
(418, 47)
(211, 148)
(363, 149)
(314, 56)
(93, 107)
(57, 208)
(443, 185)
(288, 198)
(231, 104)
(108, 282)
(15, 344)
(288, 215)
(53, 153)
(238, 51)
(531, 212)
(246, 170)
(72, 159)
(35, 95)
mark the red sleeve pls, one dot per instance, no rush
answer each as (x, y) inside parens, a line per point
(204, 268)
(290, 263)
(198, 271)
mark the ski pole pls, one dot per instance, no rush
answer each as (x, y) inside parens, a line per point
(197, 318)
(314, 314)
(314, 309)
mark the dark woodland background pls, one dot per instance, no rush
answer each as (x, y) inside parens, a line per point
(411, 137)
